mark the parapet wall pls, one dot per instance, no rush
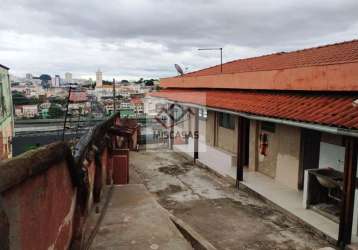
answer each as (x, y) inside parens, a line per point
(47, 194)
(38, 199)
(337, 77)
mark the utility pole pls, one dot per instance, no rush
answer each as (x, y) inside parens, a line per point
(64, 123)
(114, 95)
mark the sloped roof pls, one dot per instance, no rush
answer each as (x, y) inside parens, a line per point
(345, 52)
(78, 96)
(3, 66)
(332, 110)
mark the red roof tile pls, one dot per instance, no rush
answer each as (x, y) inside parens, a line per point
(136, 101)
(327, 109)
(78, 96)
(338, 53)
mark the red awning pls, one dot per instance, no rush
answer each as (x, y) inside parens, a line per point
(326, 109)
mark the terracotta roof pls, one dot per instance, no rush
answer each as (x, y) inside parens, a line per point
(326, 109)
(136, 101)
(78, 96)
(338, 53)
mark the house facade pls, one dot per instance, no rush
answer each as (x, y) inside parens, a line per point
(6, 115)
(27, 111)
(137, 105)
(286, 122)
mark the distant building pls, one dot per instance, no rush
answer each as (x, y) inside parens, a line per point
(56, 81)
(108, 106)
(28, 76)
(68, 77)
(99, 81)
(137, 105)
(26, 111)
(125, 105)
(6, 115)
(151, 106)
(58, 92)
(78, 96)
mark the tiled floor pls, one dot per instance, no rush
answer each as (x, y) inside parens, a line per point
(290, 200)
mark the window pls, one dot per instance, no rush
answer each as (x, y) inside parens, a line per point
(226, 121)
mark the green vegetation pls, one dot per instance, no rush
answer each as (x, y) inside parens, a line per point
(58, 100)
(19, 98)
(55, 111)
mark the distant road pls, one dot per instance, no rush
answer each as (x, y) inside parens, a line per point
(29, 126)
(33, 133)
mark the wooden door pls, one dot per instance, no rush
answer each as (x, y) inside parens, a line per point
(309, 154)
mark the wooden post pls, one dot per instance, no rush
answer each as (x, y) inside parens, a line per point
(171, 125)
(66, 114)
(349, 185)
(196, 135)
(114, 95)
(241, 149)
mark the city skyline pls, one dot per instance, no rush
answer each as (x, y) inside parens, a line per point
(129, 39)
(69, 77)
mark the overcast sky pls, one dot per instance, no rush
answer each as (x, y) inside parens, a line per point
(128, 39)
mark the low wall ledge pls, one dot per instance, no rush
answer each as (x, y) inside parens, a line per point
(18, 169)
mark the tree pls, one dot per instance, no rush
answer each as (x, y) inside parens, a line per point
(55, 111)
(105, 82)
(57, 100)
(149, 82)
(45, 80)
(19, 98)
(139, 81)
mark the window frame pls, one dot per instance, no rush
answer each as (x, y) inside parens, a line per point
(226, 120)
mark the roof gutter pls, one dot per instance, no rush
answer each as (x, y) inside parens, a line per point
(317, 127)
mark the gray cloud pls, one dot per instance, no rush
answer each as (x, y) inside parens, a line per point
(134, 38)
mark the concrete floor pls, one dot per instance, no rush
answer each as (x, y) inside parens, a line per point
(133, 220)
(226, 217)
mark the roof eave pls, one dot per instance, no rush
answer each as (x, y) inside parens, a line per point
(4, 67)
(307, 125)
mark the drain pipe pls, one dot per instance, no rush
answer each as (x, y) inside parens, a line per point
(317, 127)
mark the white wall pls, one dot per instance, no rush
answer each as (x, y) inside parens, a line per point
(331, 156)
(218, 160)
